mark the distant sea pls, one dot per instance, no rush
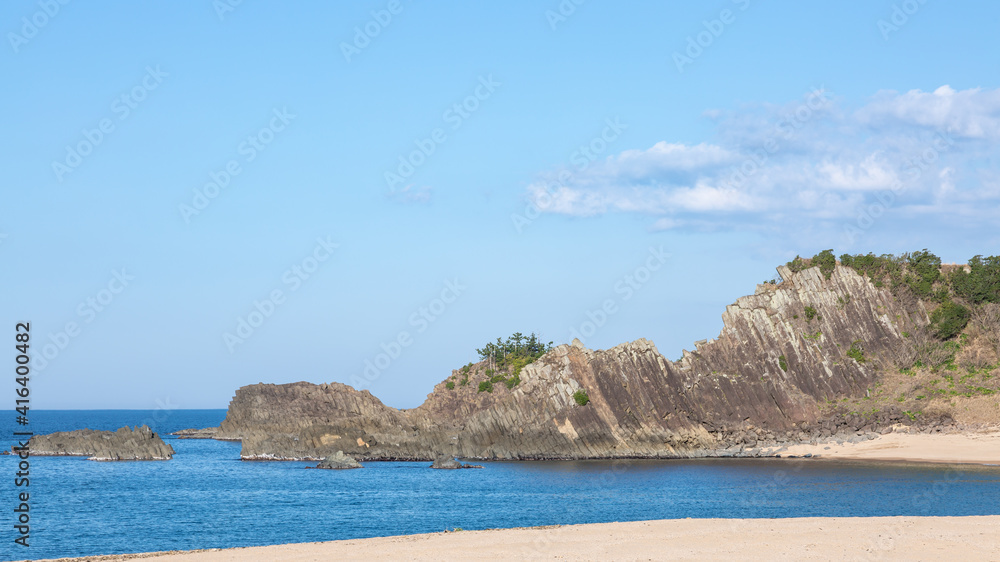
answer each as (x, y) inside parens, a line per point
(206, 497)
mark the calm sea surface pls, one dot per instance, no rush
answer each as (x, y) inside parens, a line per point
(206, 497)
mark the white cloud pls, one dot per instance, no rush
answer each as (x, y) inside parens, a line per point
(411, 194)
(705, 198)
(971, 113)
(807, 164)
(871, 173)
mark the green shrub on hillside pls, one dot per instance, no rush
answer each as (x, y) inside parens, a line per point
(581, 397)
(826, 262)
(925, 268)
(877, 268)
(509, 357)
(856, 352)
(982, 282)
(949, 319)
(486, 386)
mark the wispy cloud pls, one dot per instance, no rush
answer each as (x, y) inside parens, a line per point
(817, 160)
(411, 194)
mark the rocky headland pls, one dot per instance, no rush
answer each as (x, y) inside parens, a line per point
(125, 444)
(807, 359)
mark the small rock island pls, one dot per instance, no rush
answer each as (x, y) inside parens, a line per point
(136, 444)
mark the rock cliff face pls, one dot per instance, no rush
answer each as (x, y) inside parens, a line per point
(782, 352)
(125, 444)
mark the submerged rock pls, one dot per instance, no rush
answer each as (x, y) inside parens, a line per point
(447, 462)
(206, 433)
(338, 460)
(136, 444)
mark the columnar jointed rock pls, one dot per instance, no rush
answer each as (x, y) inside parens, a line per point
(781, 352)
(125, 444)
(338, 460)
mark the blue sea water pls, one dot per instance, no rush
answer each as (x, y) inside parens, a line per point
(206, 497)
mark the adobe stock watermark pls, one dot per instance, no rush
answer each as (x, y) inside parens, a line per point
(32, 25)
(88, 310)
(161, 413)
(364, 34)
(421, 319)
(122, 106)
(225, 7)
(455, 116)
(249, 149)
(626, 287)
(563, 11)
(899, 17)
(581, 158)
(786, 128)
(543, 545)
(889, 536)
(915, 168)
(714, 28)
(292, 278)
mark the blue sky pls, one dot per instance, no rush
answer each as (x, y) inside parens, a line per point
(198, 196)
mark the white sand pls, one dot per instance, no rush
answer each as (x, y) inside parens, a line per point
(813, 538)
(977, 448)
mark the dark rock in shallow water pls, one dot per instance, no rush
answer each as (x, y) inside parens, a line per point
(450, 462)
(446, 462)
(206, 433)
(338, 460)
(138, 444)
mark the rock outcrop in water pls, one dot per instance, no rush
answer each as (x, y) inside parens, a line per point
(338, 461)
(446, 462)
(139, 443)
(781, 353)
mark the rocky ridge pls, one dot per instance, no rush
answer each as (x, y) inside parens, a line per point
(125, 444)
(782, 353)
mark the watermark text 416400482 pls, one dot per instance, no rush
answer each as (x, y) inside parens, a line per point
(22, 401)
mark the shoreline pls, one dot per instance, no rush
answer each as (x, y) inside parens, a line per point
(979, 448)
(944, 538)
(808, 538)
(976, 447)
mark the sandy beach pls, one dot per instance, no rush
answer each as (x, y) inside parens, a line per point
(848, 538)
(957, 448)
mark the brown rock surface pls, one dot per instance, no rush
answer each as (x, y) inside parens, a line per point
(759, 383)
(139, 443)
